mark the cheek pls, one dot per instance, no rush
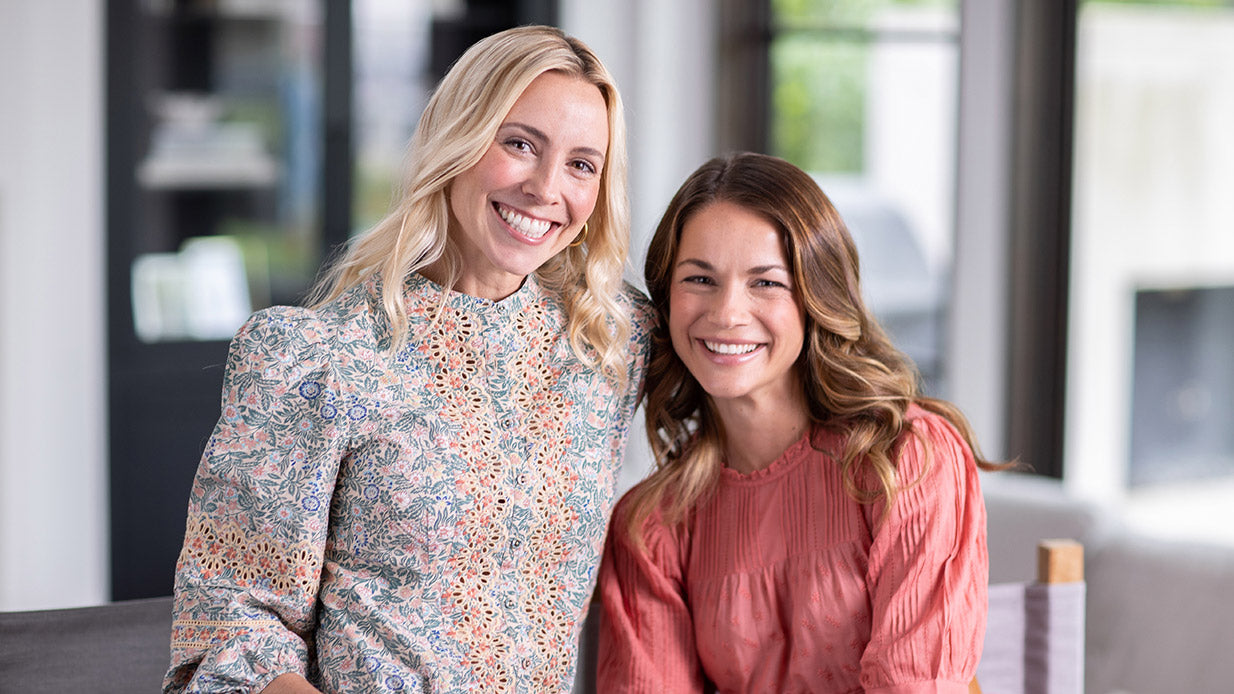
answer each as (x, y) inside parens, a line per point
(584, 200)
(676, 319)
(494, 171)
(463, 192)
(796, 325)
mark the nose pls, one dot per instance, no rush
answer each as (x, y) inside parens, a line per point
(543, 182)
(731, 306)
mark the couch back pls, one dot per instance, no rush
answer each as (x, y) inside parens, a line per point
(121, 647)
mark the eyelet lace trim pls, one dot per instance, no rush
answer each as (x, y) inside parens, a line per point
(250, 560)
(221, 550)
(542, 418)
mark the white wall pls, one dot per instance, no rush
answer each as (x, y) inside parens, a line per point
(53, 520)
(976, 355)
(1153, 210)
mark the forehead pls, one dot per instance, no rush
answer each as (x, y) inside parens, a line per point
(726, 229)
(566, 106)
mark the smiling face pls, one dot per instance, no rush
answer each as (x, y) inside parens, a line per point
(535, 187)
(734, 316)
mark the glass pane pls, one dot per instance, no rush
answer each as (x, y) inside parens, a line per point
(1152, 250)
(863, 96)
(819, 88)
(1183, 385)
(850, 14)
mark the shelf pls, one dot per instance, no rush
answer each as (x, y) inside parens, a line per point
(233, 9)
(167, 173)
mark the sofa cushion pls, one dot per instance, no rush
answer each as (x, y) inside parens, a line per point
(1022, 510)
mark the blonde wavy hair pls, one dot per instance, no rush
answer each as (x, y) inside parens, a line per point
(856, 381)
(457, 127)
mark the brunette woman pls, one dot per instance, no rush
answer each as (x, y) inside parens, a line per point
(813, 523)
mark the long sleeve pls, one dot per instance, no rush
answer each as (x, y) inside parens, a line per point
(647, 635)
(927, 573)
(247, 577)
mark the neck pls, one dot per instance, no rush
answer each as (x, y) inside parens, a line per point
(756, 434)
(494, 288)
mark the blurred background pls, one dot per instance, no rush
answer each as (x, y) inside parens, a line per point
(1041, 194)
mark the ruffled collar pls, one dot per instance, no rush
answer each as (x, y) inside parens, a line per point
(815, 439)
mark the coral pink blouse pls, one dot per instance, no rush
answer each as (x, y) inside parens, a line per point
(781, 582)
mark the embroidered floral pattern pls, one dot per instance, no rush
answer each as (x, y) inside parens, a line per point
(427, 524)
(250, 561)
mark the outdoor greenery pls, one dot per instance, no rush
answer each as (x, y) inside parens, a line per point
(819, 53)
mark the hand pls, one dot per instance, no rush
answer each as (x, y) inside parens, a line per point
(290, 683)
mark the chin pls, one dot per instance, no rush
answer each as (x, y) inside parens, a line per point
(724, 391)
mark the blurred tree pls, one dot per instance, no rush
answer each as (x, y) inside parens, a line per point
(819, 54)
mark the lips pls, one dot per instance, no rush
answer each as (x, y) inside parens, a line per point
(530, 227)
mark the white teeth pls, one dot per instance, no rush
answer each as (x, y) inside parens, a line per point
(533, 228)
(725, 348)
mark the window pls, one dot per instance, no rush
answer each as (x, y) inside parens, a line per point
(1152, 281)
(863, 95)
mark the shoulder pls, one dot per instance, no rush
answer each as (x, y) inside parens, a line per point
(305, 337)
(633, 300)
(642, 320)
(932, 453)
(927, 431)
(281, 328)
(274, 349)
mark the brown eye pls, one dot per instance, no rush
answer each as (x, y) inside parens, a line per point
(584, 166)
(518, 143)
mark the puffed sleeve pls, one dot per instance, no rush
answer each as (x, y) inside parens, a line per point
(928, 569)
(246, 580)
(646, 635)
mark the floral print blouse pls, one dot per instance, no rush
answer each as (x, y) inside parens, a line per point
(430, 524)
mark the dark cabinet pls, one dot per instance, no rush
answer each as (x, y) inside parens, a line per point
(228, 183)
(229, 156)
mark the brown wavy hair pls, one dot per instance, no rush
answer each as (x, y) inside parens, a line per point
(855, 380)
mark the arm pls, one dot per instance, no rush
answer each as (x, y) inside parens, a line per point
(247, 576)
(647, 635)
(928, 570)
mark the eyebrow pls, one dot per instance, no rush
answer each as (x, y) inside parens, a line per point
(540, 135)
(756, 270)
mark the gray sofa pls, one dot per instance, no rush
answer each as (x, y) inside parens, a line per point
(122, 647)
(1160, 615)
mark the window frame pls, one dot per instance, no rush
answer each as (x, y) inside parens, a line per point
(1008, 310)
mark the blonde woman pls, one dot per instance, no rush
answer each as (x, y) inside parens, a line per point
(408, 487)
(813, 523)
